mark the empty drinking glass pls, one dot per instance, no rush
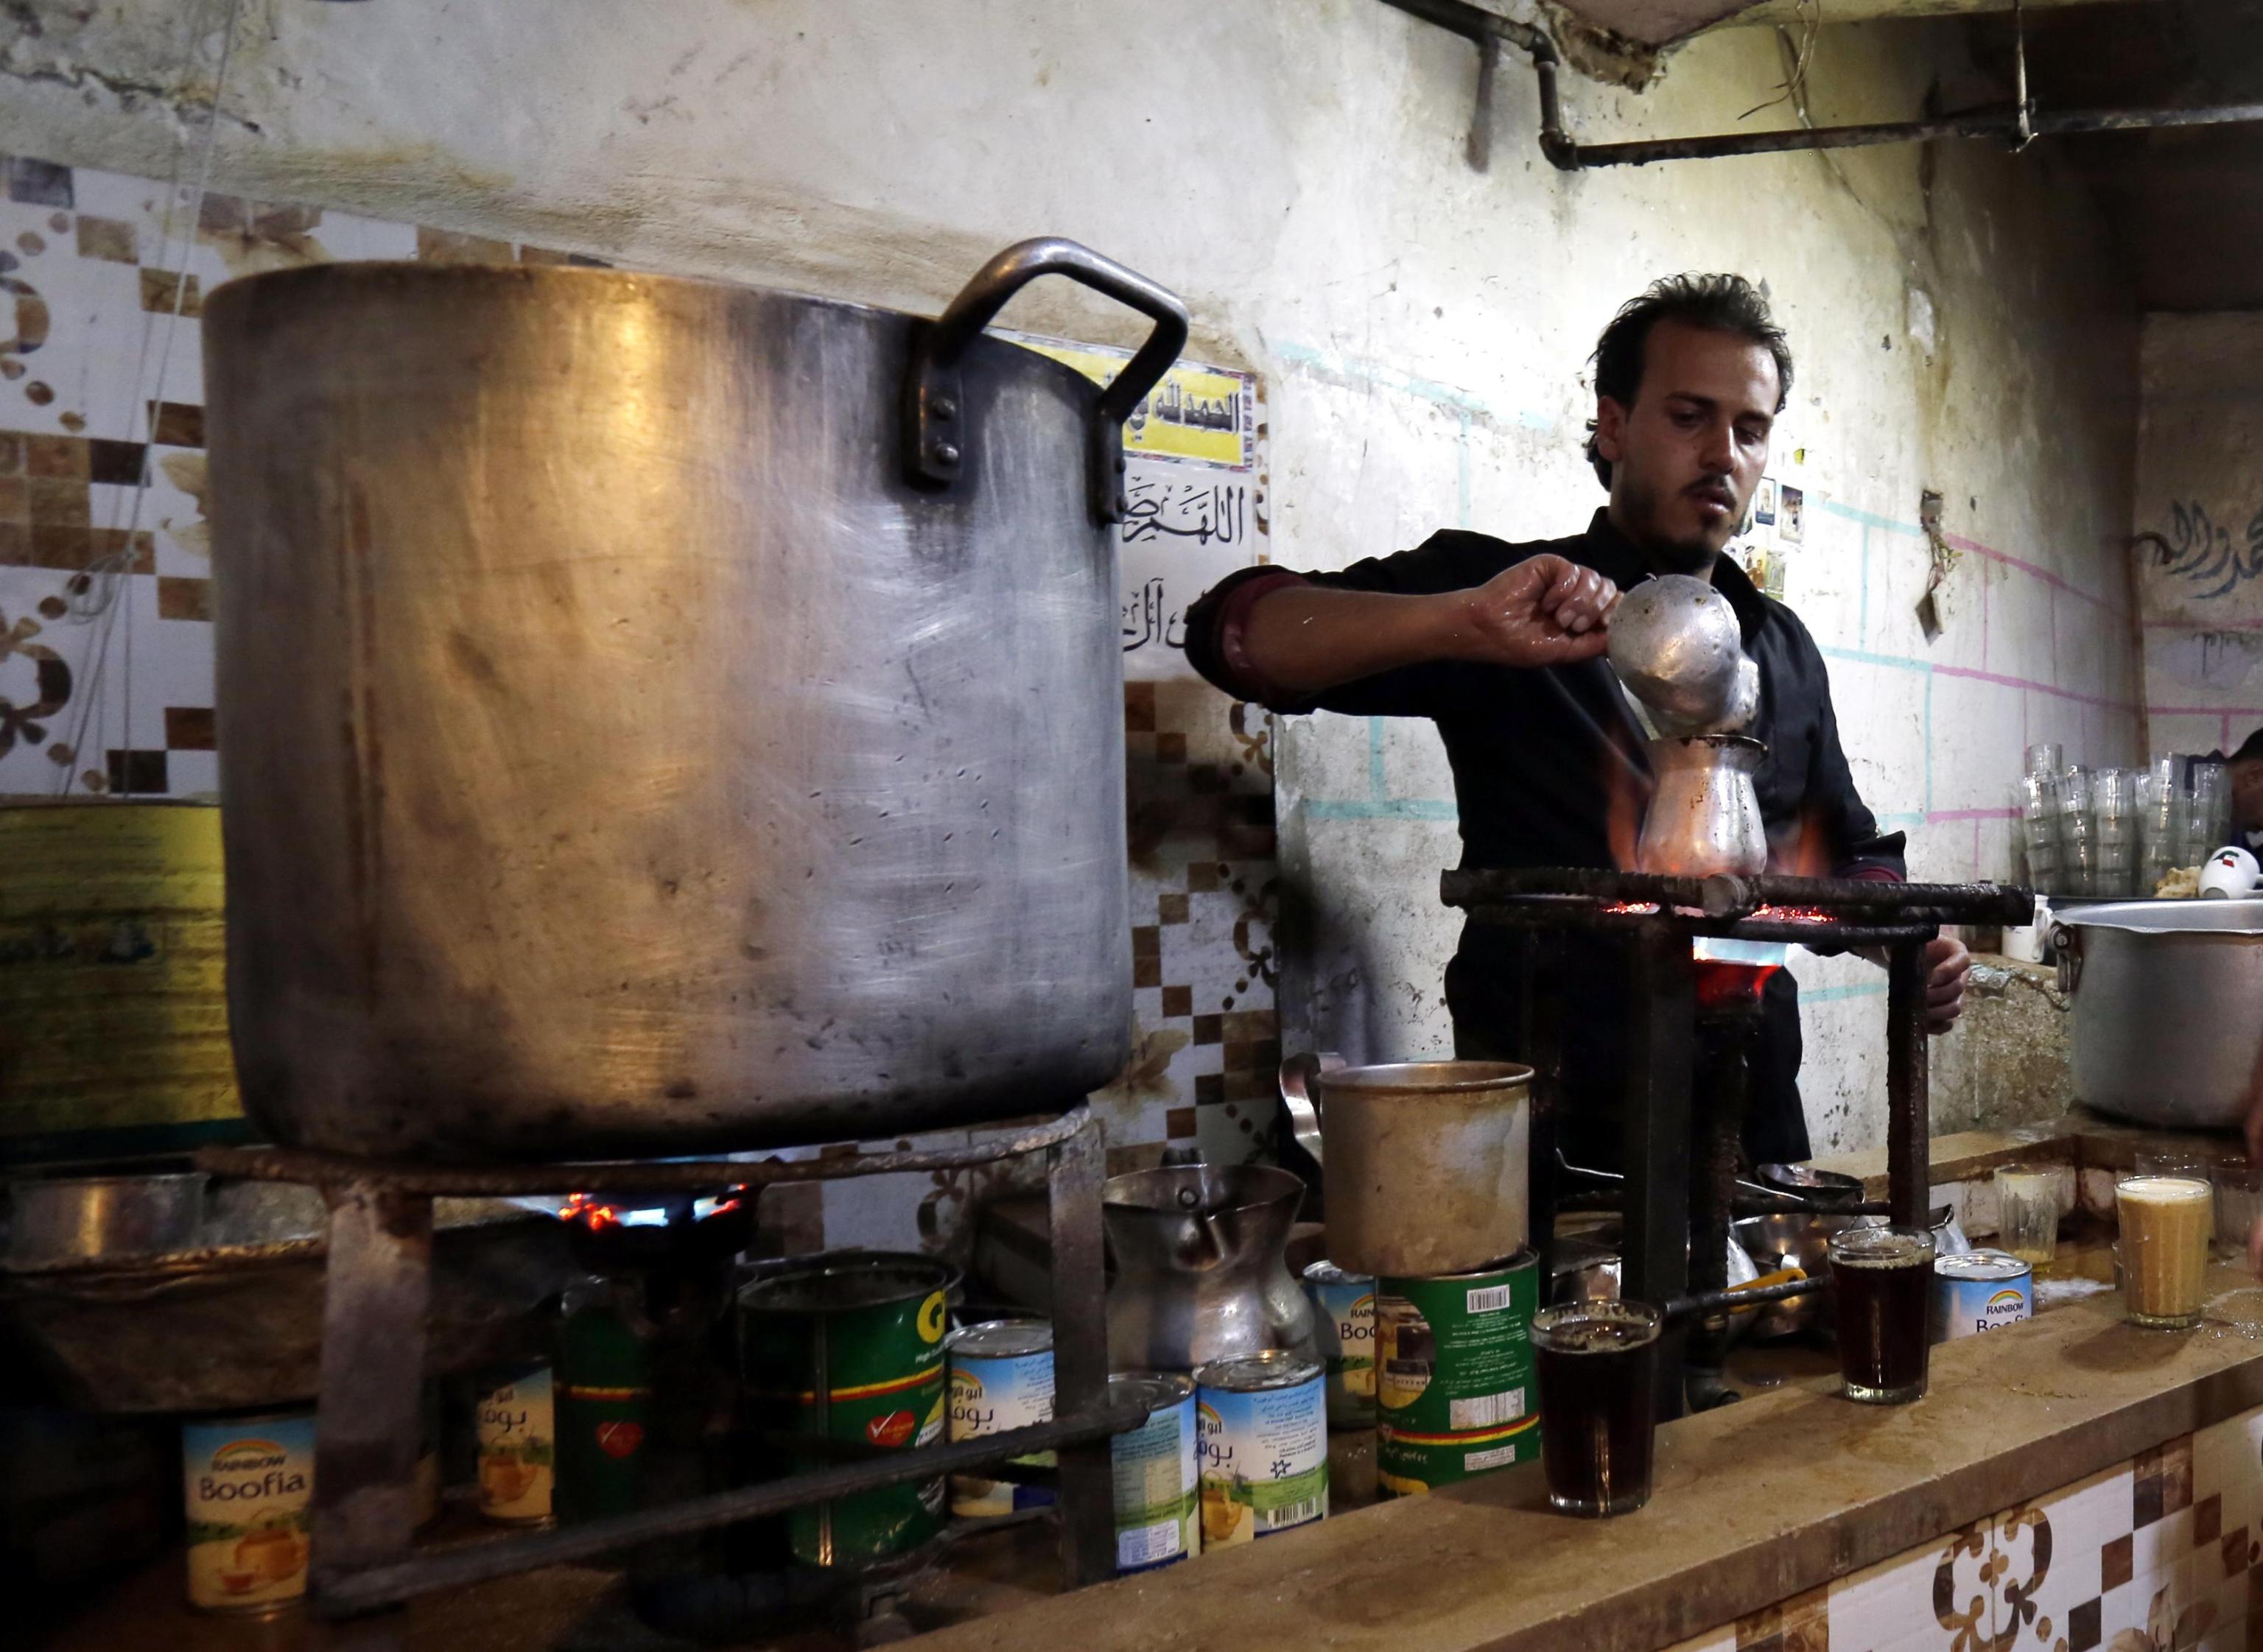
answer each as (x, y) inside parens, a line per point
(2046, 758)
(2028, 1205)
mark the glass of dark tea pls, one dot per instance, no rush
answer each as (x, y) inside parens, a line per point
(1883, 1277)
(1597, 1363)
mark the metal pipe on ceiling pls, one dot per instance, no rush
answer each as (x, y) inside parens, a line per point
(2013, 124)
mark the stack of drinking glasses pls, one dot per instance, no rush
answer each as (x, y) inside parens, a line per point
(2078, 833)
(2160, 820)
(2036, 799)
(2113, 823)
(2207, 813)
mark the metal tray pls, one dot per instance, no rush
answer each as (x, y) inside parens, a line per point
(235, 1319)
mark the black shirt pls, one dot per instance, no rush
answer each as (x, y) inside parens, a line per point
(1537, 755)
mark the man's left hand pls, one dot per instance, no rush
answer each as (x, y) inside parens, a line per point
(1946, 963)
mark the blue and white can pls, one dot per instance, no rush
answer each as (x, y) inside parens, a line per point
(1154, 1471)
(1980, 1290)
(1343, 1308)
(1262, 1423)
(1001, 1378)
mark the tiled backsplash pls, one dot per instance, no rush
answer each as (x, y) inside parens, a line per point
(2159, 1553)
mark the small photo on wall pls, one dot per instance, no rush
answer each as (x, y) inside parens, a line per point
(1790, 513)
(1764, 501)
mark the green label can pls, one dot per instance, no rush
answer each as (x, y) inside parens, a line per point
(604, 1401)
(847, 1346)
(1154, 1473)
(1261, 1423)
(1454, 1374)
(1343, 1308)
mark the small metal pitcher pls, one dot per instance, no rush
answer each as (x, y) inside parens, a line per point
(1201, 1265)
(1704, 816)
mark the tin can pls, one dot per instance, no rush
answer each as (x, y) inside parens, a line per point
(848, 1346)
(604, 1400)
(1343, 1309)
(249, 1484)
(1261, 1427)
(1001, 1377)
(1156, 1487)
(1980, 1290)
(518, 1446)
(1454, 1374)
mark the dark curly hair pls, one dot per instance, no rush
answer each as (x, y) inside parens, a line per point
(1719, 303)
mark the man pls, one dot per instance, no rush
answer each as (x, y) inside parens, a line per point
(1497, 644)
(2244, 770)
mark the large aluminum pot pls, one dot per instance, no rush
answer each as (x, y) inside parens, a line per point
(1427, 1168)
(664, 715)
(2168, 1008)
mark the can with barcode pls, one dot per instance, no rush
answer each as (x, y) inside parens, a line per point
(1262, 1443)
(1154, 1467)
(1454, 1374)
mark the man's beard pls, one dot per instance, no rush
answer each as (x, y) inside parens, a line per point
(1638, 504)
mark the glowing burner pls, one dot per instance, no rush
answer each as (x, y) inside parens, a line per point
(1791, 915)
(598, 1215)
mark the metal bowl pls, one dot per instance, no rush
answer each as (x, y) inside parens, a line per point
(67, 1218)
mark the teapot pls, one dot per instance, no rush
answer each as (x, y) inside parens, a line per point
(1704, 816)
(1202, 1271)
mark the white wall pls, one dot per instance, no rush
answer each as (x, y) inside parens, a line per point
(1295, 170)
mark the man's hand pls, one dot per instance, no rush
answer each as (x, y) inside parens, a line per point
(1543, 611)
(1946, 963)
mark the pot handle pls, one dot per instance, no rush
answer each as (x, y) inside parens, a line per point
(1300, 1095)
(935, 433)
(2068, 944)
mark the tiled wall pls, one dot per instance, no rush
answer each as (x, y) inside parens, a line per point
(2160, 1553)
(106, 650)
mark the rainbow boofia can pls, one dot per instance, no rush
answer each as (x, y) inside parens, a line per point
(1001, 1377)
(1980, 1290)
(1454, 1374)
(846, 1345)
(1343, 1309)
(1262, 1426)
(517, 1426)
(1156, 1496)
(248, 1484)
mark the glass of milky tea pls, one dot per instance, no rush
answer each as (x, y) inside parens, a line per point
(2164, 1223)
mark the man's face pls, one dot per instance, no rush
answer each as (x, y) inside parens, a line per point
(2247, 794)
(1687, 455)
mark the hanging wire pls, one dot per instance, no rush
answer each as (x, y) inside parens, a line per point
(104, 588)
(1808, 14)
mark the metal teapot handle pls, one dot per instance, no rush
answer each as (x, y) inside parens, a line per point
(935, 433)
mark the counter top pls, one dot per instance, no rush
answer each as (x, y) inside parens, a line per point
(1751, 1504)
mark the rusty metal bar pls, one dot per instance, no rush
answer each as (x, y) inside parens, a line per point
(1744, 1296)
(376, 1289)
(483, 1561)
(1075, 1170)
(1655, 1128)
(1736, 898)
(686, 1175)
(1789, 932)
(1908, 1087)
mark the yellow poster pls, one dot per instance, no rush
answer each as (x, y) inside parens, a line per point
(1208, 414)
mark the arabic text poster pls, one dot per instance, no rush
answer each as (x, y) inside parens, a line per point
(1194, 495)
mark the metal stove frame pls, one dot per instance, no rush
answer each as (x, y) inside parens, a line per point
(1689, 1066)
(378, 1286)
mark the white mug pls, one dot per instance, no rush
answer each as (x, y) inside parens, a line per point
(2230, 874)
